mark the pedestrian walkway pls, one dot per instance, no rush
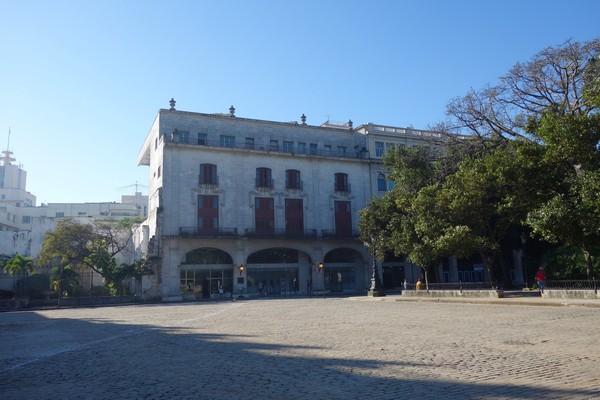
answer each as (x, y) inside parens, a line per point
(303, 348)
(511, 298)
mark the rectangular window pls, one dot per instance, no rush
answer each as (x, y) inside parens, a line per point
(202, 138)
(379, 149)
(381, 184)
(313, 148)
(208, 214)
(341, 182)
(341, 151)
(292, 179)
(302, 148)
(227, 141)
(184, 137)
(26, 219)
(274, 145)
(343, 219)
(288, 147)
(208, 174)
(294, 218)
(60, 214)
(327, 151)
(249, 143)
(263, 178)
(264, 215)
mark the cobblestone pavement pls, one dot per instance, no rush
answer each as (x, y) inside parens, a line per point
(349, 348)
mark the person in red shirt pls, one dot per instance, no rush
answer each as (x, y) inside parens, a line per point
(540, 278)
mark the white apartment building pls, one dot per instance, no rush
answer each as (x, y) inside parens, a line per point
(23, 224)
(256, 206)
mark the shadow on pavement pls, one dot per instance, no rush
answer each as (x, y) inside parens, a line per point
(54, 358)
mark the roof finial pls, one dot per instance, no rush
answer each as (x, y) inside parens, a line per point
(350, 123)
(303, 118)
(232, 111)
(172, 104)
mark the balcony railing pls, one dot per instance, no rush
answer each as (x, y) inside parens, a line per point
(333, 234)
(273, 148)
(263, 183)
(208, 180)
(190, 231)
(281, 234)
(339, 188)
(294, 185)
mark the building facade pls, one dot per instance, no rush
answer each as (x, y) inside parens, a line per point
(243, 206)
(256, 207)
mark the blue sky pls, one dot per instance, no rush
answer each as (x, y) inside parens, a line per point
(81, 81)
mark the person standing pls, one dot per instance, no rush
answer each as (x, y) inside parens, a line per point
(420, 285)
(540, 279)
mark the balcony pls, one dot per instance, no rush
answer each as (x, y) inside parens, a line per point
(264, 184)
(333, 234)
(294, 186)
(342, 188)
(271, 148)
(281, 234)
(208, 180)
(253, 233)
(191, 231)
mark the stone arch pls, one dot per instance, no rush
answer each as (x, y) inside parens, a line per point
(278, 255)
(207, 255)
(277, 271)
(343, 255)
(206, 272)
(344, 270)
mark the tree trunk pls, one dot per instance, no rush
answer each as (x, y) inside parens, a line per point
(588, 263)
(489, 262)
(62, 267)
(426, 277)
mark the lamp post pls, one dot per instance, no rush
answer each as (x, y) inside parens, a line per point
(523, 260)
(320, 267)
(376, 289)
(241, 288)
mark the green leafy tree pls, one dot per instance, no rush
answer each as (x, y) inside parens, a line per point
(397, 221)
(375, 231)
(19, 265)
(64, 280)
(571, 213)
(550, 105)
(86, 245)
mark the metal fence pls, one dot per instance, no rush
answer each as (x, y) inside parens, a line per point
(42, 285)
(572, 284)
(463, 286)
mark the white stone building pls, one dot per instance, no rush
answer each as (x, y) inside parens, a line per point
(23, 225)
(246, 204)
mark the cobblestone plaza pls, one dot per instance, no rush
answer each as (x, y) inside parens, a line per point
(341, 348)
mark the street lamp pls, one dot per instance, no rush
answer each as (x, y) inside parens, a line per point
(320, 267)
(376, 289)
(523, 259)
(242, 268)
